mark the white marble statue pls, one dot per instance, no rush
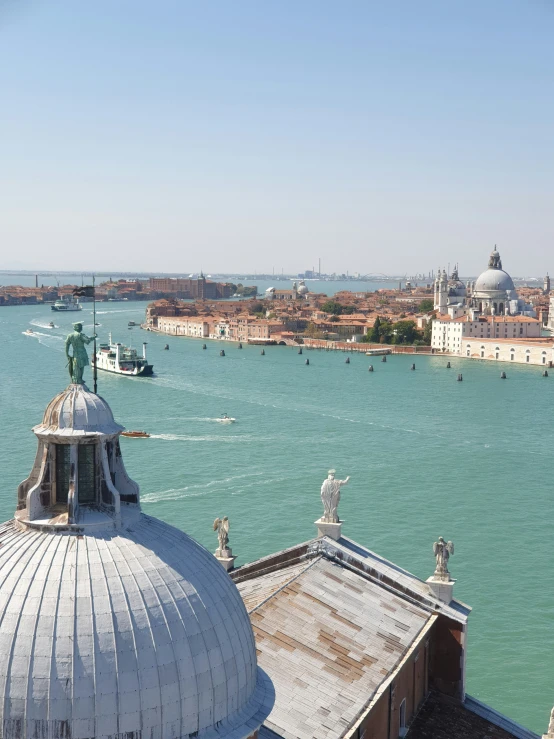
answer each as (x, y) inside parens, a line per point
(221, 525)
(330, 496)
(442, 551)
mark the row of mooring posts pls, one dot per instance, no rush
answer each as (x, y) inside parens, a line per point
(503, 375)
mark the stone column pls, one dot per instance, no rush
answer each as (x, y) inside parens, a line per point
(226, 558)
(332, 530)
(442, 589)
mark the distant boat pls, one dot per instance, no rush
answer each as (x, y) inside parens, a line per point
(51, 324)
(377, 352)
(67, 303)
(122, 360)
(131, 323)
(136, 434)
(29, 332)
(226, 419)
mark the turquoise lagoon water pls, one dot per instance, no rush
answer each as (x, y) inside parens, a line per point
(427, 455)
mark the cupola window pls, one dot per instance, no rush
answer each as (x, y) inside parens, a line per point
(63, 468)
(87, 474)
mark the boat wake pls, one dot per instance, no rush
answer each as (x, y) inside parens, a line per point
(124, 310)
(193, 491)
(209, 437)
(42, 324)
(50, 340)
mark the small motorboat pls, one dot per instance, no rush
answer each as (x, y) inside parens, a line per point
(29, 332)
(131, 324)
(226, 419)
(135, 434)
(51, 324)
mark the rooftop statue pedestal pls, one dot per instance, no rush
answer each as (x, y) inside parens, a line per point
(327, 528)
(225, 558)
(442, 589)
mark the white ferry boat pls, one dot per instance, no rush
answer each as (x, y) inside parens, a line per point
(122, 360)
(67, 303)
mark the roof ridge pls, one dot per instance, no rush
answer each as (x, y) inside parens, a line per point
(308, 566)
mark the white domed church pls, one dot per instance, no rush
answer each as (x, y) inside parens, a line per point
(113, 623)
(492, 294)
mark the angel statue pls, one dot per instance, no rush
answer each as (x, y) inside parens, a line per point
(330, 497)
(442, 551)
(221, 525)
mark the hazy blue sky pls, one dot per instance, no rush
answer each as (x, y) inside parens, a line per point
(250, 134)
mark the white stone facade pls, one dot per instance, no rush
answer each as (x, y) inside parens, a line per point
(528, 352)
(179, 326)
(448, 333)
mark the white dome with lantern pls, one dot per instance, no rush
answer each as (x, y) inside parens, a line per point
(493, 293)
(494, 282)
(302, 288)
(113, 622)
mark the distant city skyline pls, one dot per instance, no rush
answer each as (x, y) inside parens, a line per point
(242, 137)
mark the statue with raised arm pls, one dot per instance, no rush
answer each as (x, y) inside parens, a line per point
(221, 525)
(442, 550)
(330, 497)
(78, 359)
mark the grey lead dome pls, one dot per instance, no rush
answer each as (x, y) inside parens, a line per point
(113, 623)
(77, 411)
(492, 280)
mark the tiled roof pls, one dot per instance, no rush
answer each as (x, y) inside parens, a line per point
(332, 620)
(443, 718)
(327, 640)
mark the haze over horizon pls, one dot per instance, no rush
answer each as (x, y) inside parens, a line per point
(167, 137)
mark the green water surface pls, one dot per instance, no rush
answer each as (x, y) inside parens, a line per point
(427, 455)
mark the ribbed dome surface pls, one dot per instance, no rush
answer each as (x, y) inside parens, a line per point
(494, 280)
(76, 412)
(138, 633)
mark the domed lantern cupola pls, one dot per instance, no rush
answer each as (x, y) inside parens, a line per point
(78, 479)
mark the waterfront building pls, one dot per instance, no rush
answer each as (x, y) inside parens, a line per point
(115, 624)
(493, 293)
(448, 333)
(299, 290)
(539, 351)
(550, 323)
(488, 310)
(190, 288)
(197, 328)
